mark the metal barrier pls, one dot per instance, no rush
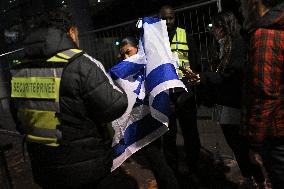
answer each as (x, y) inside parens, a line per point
(101, 43)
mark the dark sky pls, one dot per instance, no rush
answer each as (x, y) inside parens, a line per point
(107, 12)
(123, 10)
(93, 16)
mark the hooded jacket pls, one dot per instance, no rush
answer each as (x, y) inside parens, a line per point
(88, 99)
(264, 80)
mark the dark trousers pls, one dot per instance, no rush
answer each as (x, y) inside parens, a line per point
(42, 164)
(240, 147)
(273, 159)
(185, 112)
(116, 179)
(163, 173)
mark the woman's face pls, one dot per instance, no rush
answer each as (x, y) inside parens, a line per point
(218, 32)
(127, 51)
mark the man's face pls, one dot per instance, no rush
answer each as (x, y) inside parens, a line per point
(169, 16)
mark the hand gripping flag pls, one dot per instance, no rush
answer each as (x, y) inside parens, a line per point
(146, 78)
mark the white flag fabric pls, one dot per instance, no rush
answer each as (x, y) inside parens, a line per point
(146, 78)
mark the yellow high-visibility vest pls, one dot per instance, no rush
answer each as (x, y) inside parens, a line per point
(35, 91)
(179, 46)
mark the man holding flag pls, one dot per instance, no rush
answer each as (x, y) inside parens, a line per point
(146, 78)
(164, 175)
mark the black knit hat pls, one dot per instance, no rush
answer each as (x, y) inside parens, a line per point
(59, 18)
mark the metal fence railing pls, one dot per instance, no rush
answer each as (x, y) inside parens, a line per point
(101, 43)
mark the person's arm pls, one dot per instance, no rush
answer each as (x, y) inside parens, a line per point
(211, 85)
(104, 99)
(234, 70)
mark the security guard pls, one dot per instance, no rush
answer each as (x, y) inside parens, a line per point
(183, 103)
(35, 90)
(62, 97)
(180, 47)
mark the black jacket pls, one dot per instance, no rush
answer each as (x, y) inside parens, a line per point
(88, 100)
(225, 87)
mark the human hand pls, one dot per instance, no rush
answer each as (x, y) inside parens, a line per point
(191, 77)
(255, 157)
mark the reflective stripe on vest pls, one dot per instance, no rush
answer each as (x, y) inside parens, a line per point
(179, 46)
(42, 126)
(36, 93)
(35, 87)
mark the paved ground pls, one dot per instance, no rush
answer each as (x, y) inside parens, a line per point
(211, 172)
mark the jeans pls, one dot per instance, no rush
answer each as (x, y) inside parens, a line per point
(240, 147)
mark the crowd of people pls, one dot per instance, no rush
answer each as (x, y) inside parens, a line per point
(71, 148)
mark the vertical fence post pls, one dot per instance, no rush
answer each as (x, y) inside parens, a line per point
(219, 5)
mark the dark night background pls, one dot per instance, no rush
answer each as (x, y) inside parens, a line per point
(89, 14)
(15, 16)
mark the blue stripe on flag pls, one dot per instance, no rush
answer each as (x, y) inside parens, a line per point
(162, 103)
(162, 73)
(151, 20)
(140, 78)
(124, 69)
(135, 132)
(119, 148)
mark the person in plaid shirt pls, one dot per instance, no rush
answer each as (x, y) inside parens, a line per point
(264, 85)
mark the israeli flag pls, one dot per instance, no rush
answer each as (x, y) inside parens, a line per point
(146, 78)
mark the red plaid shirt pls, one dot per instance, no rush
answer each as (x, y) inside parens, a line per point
(264, 86)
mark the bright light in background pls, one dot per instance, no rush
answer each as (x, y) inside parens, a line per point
(139, 23)
(99, 1)
(210, 25)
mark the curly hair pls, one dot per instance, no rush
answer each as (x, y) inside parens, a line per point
(229, 25)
